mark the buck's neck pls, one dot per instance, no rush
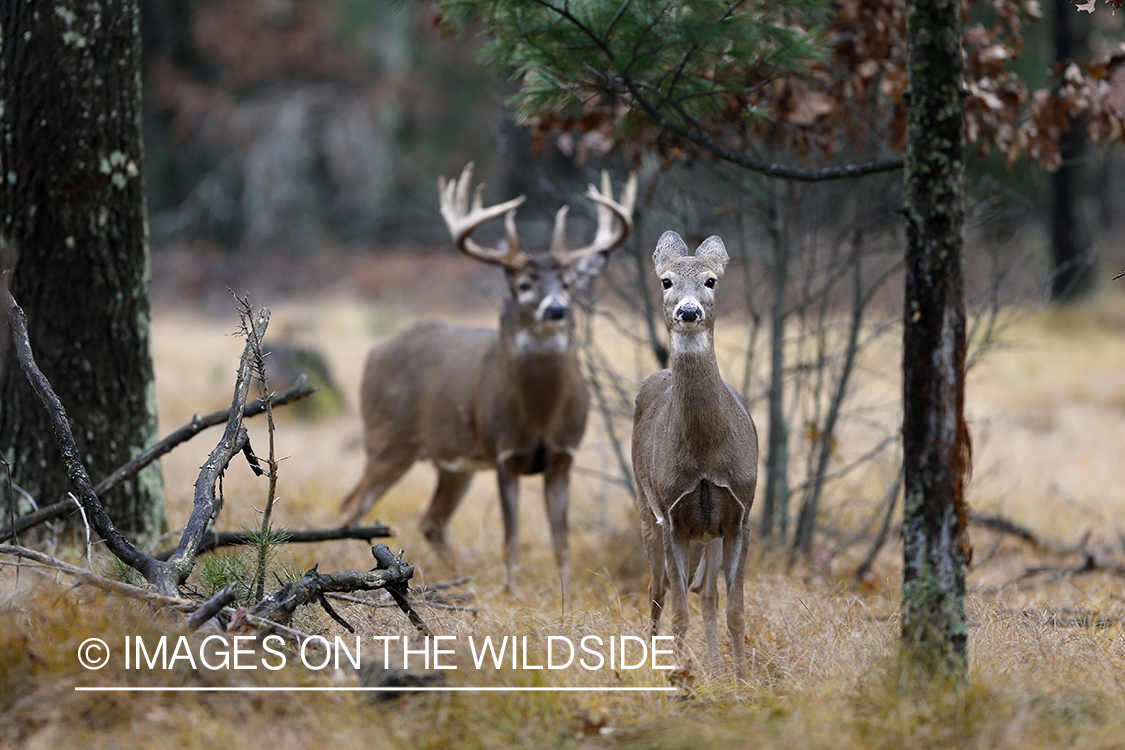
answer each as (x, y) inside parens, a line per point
(698, 397)
(540, 367)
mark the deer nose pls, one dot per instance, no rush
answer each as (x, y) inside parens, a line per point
(689, 312)
(554, 311)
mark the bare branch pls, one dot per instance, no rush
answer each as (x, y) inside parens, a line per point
(212, 541)
(93, 579)
(391, 573)
(79, 479)
(212, 606)
(165, 576)
(1005, 526)
(207, 505)
(143, 459)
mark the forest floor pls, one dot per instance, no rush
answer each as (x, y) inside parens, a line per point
(1047, 637)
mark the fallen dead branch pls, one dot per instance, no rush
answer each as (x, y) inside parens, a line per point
(171, 573)
(213, 606)
(166, 576)
(273, 612)
(1050, 573)
(391, 573)
(163, 576)
(212, 541)
(101, 582)
(143, 459)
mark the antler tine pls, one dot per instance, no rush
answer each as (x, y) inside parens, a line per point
(462, 220)
(558, 239)
(615, 218)
(515, 255)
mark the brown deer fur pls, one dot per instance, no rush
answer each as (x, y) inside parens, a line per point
(695, 453)
(468, 399)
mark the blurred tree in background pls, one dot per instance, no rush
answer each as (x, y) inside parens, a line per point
(287, 124)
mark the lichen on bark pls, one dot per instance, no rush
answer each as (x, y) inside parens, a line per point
(935, 439)
(73, 208)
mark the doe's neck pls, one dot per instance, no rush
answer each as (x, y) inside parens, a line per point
(697, 388)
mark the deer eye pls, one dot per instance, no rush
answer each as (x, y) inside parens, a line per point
(710, 283)
(667, 283)
(524, 285)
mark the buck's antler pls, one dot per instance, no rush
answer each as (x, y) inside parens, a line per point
(454, 197)
(615, 221)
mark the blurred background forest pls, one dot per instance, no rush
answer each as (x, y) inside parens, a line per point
(297, 126)
(300, 127)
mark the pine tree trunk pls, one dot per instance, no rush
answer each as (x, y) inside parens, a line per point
(73, 209)
(935, 439)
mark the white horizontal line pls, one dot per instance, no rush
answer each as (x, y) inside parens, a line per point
(424, 689)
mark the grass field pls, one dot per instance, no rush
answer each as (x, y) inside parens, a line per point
(1046, 639)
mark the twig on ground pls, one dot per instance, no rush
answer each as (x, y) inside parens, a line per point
(423, 588)
(426, 594)
(86, 525)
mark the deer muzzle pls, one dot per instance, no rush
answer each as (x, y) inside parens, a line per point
(553, 308)
(689, 311)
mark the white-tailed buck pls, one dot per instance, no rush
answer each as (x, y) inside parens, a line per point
(695, 453)
(468, 399)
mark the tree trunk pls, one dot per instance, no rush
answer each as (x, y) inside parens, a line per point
(73, 209)
(935, 440)
(1072, 264)
(775, 500)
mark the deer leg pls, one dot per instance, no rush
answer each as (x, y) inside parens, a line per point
(509, 480)
(451, 488)
(651, 535)
(675, 561)
(658, 581)
(706, 583)
(556, 486)
(735, 545)
(382, 470)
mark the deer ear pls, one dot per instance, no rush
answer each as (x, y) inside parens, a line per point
(588, 268)
(669, 247)
(715, 252)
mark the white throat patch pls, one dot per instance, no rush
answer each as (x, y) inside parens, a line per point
(554, 342)
(695, 342)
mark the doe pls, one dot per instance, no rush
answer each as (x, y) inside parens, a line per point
(695, 453)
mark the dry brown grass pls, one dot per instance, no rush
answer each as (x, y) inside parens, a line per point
(1048, 656)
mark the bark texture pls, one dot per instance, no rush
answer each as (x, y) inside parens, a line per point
(935, 440)
(72, 205)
